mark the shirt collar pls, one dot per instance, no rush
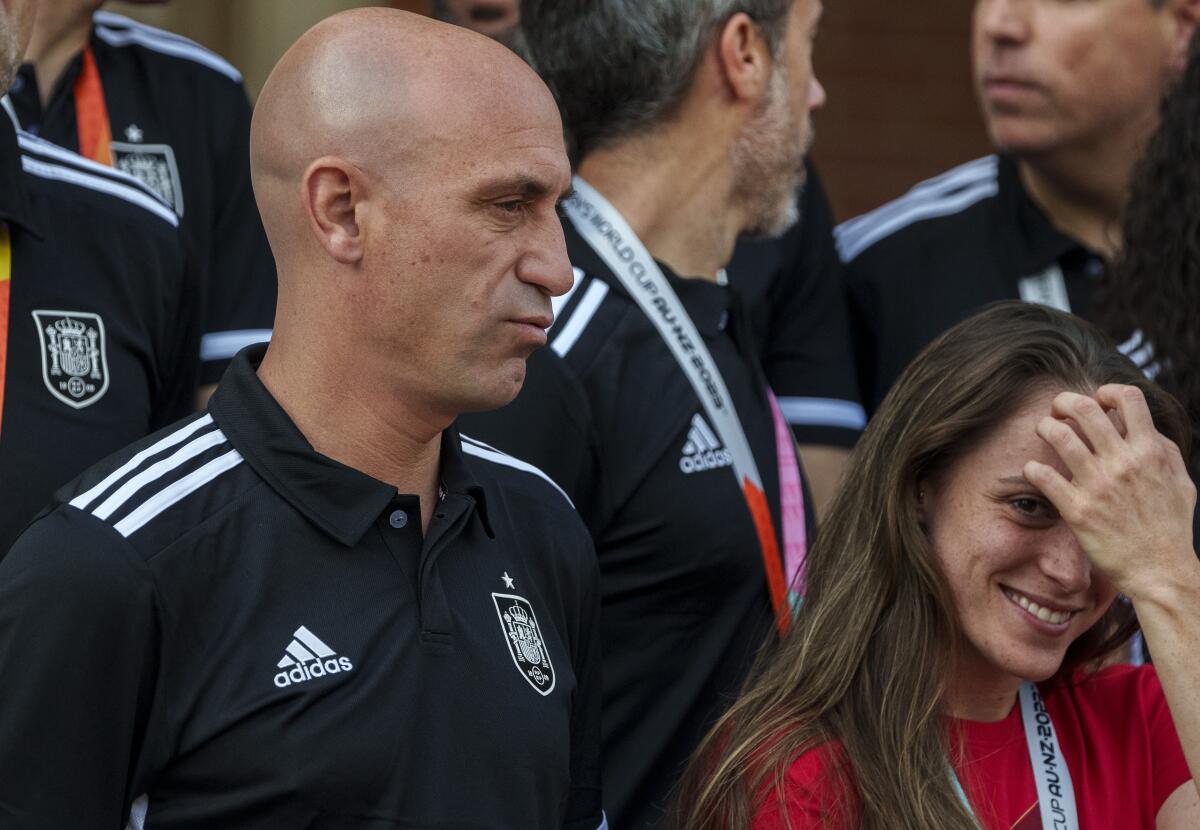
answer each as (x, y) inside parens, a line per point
(14, 199)
(339, 500)
(1034, 242)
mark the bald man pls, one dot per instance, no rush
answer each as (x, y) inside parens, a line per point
(316, 604)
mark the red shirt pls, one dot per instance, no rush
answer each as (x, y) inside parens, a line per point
(1116, 734)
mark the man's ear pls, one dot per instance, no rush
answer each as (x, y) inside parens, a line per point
(744, 58)
(333, 194)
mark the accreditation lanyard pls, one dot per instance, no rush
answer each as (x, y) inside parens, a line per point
(5, 287)
(604, 229)
(1056, 795)
(91, 113)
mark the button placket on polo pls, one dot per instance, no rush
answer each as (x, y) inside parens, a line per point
(450, 518)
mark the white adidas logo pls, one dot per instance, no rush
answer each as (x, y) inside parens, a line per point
(307, 657)
(703, 450)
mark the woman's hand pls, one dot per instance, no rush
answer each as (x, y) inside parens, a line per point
(1129, 500)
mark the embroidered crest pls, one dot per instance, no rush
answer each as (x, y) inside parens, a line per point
(525, 642)
(74, 362)
(154, 165)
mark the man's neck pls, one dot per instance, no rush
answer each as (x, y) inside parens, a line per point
(383, 438)
(1083, 193)
(54, 44)
(673, 188)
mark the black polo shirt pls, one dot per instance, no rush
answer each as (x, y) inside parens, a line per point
(943, 251)
(103, 323)
(219, 627)
(795, 295)
(180, 122)
(607, 411)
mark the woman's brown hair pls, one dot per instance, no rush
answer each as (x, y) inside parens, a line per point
(865, 664)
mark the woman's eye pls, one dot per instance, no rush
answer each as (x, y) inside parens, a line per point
(1033, 508)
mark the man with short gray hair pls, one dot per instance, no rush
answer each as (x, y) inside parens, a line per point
(688, 124)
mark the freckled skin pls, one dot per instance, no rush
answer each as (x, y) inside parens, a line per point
(987, 534)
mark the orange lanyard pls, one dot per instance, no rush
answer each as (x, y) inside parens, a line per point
(5, 283)
(91, 113)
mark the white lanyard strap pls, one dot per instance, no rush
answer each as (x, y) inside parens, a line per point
(607, 232)
(1056, 795)
(1047, 288)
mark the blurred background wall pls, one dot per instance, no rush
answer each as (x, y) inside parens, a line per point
(898, 75)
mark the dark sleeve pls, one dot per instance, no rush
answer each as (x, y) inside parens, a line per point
(241, 282)
(179, 353)
(78, 644)
(585, 805)
(808, 356)
(550, 426)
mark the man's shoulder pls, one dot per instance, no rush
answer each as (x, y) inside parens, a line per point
(67, 182)
(166, 51)
(587, 318)
(505, 473)
(949, 210)
(159, 488)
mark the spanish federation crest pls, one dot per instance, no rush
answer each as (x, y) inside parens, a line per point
(525, 642)
(154, 165)
(74, 362)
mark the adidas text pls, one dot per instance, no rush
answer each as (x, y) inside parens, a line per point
(710, 460)
(311, 669)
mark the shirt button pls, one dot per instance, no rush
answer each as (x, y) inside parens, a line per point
(398, 519)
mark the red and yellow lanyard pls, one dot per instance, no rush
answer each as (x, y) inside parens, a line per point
(91, 113)
(5, 283)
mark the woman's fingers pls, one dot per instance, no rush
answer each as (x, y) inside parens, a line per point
(1090, 417)
(1131, 404)
(1065, 441)
(1050, 482)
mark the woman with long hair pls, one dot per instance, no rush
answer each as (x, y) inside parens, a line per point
(1019, 476)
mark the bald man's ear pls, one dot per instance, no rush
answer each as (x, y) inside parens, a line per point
(744, 58)
(333, 190)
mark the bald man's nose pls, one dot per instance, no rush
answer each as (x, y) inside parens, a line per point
(546, 264)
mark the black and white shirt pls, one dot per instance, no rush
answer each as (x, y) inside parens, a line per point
(180, 121)
(608, 412)
(940, 253)
(220, 627)
(103, 320)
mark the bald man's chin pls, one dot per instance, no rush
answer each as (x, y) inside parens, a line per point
(497, 392)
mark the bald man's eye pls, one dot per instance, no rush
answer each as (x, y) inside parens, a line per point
(514, 207)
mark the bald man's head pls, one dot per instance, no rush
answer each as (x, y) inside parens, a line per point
(407, 173)
(378, 87)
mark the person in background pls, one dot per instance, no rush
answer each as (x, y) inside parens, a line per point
(942, 670)
(689, 123)
(794, 295)
(175, 115)
(498, 19)
(317, 604)
(100, 310)
(1153, 294)
(1070, 94)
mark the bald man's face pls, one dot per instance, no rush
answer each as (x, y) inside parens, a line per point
(474, 251)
